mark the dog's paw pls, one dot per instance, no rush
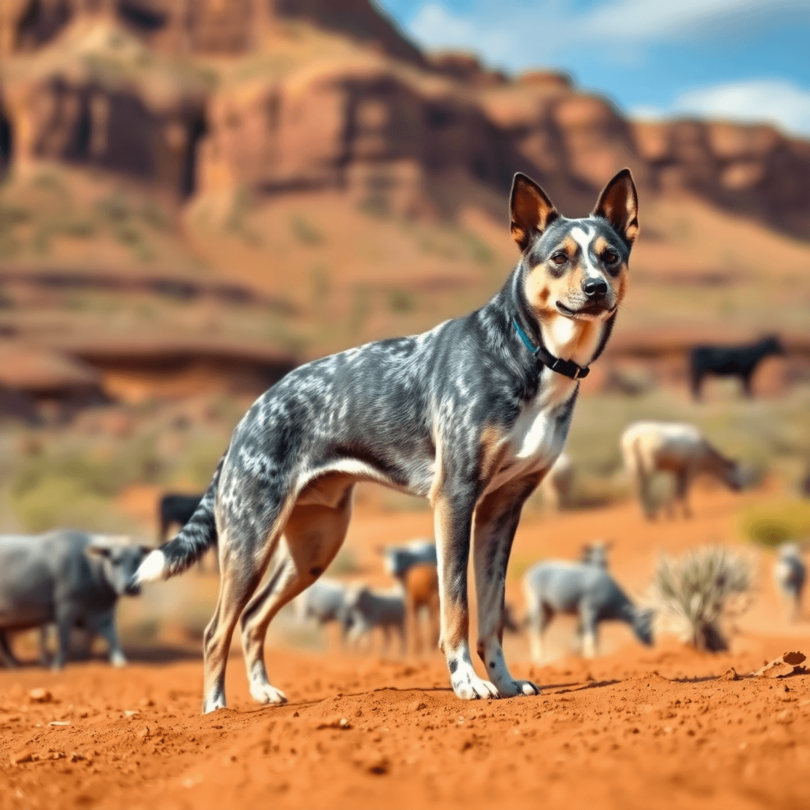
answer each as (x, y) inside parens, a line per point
(475, 688)
(264, 693)
(517, 688)
(213, 702)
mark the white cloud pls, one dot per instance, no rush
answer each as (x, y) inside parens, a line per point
(772, 100)
(646, 21)
(516, 33)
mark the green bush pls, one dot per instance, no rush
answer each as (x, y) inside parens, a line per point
(773, 523)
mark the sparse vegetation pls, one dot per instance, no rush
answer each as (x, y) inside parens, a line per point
(401, 302)
(779, 521)
(695, 593)
(306, 233)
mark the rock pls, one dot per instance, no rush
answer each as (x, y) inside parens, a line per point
(373, 762)
(24, 755)
(729, 675)
(338, 722)
(40, 695)
(789, 663)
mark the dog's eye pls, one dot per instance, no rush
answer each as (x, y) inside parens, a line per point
(610, 257)
(559, 258)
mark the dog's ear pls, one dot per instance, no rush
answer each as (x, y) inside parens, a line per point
(530, 209)
(618, 204)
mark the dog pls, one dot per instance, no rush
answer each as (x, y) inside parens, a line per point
(470, 415)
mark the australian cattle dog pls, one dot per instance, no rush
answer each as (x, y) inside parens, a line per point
(470, 415)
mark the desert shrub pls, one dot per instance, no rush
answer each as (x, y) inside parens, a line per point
(306, 233)
(154, 215)
(773, 523)
(695, 592)
(401, 301)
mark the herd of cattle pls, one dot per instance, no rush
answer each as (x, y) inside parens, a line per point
(73, 579)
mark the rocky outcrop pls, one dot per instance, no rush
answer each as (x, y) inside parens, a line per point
(231, 27)
(337, 98)
(381, 132)
(753, 170)
(98, 97)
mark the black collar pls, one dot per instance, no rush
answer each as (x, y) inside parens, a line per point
(568, 368)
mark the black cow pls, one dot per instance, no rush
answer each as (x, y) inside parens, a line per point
(176, 509)
(725, 361)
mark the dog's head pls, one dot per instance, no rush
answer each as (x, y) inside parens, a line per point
(575, 268)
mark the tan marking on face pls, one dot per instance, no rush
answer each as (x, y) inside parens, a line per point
(622, 284)
(571, 246)
(542, 290)
(600, 244)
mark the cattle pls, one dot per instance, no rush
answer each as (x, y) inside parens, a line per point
(68, 578)
(790, 573)
(367, 609)
(398, 559)
(678, 448)
(583, 590)
(731, 361)
(323, 602)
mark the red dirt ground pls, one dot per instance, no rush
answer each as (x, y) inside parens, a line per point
(636, 728)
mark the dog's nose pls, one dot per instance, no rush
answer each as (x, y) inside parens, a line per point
(595, 288)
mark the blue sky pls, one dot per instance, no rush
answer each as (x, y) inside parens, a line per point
(745, 60)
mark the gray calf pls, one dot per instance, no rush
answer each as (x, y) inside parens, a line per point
(399, 559)
(790, 574)
(367, 609)
(67, 578)
(596, 553)
(584, 590)
(324, 601)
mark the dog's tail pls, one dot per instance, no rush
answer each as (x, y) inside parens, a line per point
(196, 537)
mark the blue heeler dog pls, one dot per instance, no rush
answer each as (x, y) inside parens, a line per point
(470, 415)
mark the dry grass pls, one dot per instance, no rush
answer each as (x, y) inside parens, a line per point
(694, 593)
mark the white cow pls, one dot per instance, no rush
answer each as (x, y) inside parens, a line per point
(678, 448)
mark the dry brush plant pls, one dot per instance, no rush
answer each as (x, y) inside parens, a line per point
(694, 593)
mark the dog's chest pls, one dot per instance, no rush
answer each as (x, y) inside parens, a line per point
(537, 436)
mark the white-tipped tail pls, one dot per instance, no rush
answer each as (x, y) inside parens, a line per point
(153, 569)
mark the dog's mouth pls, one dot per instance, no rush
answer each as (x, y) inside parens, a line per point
(588, 311)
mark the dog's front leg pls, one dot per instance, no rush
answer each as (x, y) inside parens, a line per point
(453, 521)
(496, 521)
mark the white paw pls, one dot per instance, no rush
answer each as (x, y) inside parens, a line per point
(514, 688)
(211, 704)
(118, 661)
(472, 687)
(264, 693)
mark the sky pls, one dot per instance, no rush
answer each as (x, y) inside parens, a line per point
(744, 60)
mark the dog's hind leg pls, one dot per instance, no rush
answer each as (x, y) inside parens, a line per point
(244, 556)
(312, 537)
(496, 521)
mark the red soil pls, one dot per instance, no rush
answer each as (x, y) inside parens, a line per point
(637, 728)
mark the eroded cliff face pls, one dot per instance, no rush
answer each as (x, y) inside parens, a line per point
(231, 27)
(199, 96)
